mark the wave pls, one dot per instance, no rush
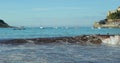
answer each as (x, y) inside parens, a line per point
(112, 40)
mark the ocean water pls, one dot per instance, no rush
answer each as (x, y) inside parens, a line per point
(38, 32)
(57, 52)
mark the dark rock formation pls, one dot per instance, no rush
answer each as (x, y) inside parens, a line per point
(13, 42)
(3, 24)
(82, 40)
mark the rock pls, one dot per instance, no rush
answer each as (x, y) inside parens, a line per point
(3, 24)
(14, 41)
(82, 40)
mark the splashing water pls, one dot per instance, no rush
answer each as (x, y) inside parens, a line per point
(58, 53)
(113, 40)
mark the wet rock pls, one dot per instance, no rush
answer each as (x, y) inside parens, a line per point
(82, 40)
(14, 41)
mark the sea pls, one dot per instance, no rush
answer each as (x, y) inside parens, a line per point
(57, 52)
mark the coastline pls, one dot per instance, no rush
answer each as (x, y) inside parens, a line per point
(82, 40)
(112, 20)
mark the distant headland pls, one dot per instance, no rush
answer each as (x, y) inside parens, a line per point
(112, 20)
(3, 24)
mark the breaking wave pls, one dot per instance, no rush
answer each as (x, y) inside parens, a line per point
(112, 40)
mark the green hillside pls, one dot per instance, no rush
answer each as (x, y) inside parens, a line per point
(115, 15)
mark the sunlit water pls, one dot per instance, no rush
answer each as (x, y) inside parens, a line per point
(37, 32)
(57, 52)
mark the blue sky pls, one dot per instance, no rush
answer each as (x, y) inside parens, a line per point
(55, 12)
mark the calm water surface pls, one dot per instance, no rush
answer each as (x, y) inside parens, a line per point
(37, 32)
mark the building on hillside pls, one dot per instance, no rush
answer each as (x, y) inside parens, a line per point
(118, 8)
(113, 21)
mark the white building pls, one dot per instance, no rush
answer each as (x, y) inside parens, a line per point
(118, 8)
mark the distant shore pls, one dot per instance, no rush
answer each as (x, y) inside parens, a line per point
(112, 20)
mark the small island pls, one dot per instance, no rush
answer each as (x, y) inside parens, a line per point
(112, 20)
(3, 24)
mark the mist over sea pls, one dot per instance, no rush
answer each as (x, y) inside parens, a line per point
(61, 52)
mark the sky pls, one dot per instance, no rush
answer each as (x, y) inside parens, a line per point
(55, 12)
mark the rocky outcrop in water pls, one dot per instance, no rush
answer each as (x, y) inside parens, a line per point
(82, 40)
(3, 24)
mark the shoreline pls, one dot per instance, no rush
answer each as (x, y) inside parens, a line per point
(81, 39)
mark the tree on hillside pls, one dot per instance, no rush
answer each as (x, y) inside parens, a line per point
(115, 15)
(103, 21)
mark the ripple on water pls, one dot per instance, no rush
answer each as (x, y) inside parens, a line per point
(58, 53)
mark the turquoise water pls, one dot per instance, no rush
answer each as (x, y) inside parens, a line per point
(57, 52)
(37, 32)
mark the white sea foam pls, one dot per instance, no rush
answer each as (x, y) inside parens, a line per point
(41, 27)
(113, 40)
